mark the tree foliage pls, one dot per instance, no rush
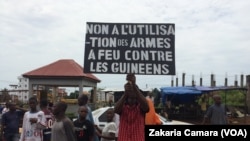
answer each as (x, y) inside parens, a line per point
(157, 96)
(5, 95)
(229, 97)
(233, 97)
(73, 95)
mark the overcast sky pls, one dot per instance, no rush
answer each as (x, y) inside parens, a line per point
(211, 36)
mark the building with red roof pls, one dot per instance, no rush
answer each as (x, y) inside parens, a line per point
(62, 73)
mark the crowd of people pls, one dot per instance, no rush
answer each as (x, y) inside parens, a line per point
(46, 122)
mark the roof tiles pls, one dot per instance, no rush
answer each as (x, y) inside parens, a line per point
(61, 68)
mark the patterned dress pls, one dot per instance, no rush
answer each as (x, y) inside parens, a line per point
(132, 121)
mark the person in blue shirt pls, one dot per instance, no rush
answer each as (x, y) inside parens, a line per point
(1, 108)
(11, 122)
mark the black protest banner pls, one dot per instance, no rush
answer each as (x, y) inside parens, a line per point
(121, 48)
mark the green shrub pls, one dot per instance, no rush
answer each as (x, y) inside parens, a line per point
(71, 115)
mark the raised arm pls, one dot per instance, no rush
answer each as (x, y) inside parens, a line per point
(141, 99)
(119, 104)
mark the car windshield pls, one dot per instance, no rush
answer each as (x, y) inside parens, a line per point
(96, 112)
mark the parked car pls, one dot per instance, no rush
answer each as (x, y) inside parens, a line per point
(172, 122)
(100, 119)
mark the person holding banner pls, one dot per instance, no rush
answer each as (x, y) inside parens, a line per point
(132, 108)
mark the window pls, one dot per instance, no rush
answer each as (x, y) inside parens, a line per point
(103, 117)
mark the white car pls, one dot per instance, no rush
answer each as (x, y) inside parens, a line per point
(172, 122)
(100, 119)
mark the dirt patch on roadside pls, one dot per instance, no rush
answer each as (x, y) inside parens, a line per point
(240, 120)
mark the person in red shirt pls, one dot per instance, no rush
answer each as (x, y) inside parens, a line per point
(131, 107)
